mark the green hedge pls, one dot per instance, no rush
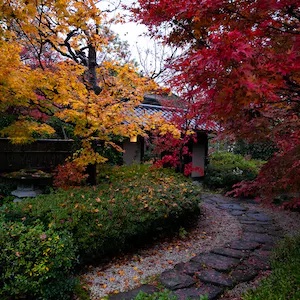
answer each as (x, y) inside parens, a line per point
(129, 204)
(35, 261)
(226, 169)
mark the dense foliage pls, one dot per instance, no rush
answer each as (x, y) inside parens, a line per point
(240, 67)
(226, 169)
(60, 60)
(284, 282)
(46, 235)
(36, 261)
(262, 151)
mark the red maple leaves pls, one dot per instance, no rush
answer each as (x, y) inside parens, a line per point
(240, 63)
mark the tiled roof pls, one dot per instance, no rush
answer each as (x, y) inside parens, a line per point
(168, 112)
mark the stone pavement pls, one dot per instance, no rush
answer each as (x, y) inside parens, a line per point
(213, 272)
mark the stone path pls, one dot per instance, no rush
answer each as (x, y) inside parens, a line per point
(223, 268)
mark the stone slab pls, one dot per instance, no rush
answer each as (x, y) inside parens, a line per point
(213, 292)
(216, 278)
(268, 247)
(26, 193)
(231, 252)
(257, 263)
(262, 254)
(259, 216)
(216, 261)
(189, 268)
(232, 206)
(173, 279)
(254, 228)
(237, 212)
(243, 274)
(146, 288)
(259, 237)
(253, 222)
(243, 245)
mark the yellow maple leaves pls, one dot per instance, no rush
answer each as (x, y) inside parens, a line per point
(21, 131)
(63, 89)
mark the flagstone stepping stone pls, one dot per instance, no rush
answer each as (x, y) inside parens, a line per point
(237, 212)
(216, 198)
(231, 252)
(277, 234)
(231, 206)
(255, 228)
(271, 227)
(259, 217)
(243, 245)
(262, 254)
(253, 222)
(146, 288)
(173, 279)
(189, 268)
(259, 237)
(211, 291)
(268, 247)
(215, 277)
(247, 201)
(257, 263)
(216, 261)
(243, 274)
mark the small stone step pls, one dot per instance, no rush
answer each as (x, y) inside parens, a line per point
(231, 206)
(259, 238)
(243, 274)
(259, 216)
(231, 252)
(217, 278)
(243, 245)
(216, 261)
(189, 268)
(257, 263)
(173, 279)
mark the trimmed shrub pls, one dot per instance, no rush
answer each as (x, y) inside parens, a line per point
(226, 169)
(259, 150)
(129, 205)
(35, 262)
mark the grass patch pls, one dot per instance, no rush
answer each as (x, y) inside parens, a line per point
(162, 295)
(284, 281)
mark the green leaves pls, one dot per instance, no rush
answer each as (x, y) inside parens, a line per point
(34, 259)
(226, 169)
(129, 202)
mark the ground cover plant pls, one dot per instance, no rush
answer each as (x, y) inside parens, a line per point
(284, 281)
(129, 204)
(226, 169)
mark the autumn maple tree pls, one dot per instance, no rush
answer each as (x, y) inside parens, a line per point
(58, 58)
(240, 64)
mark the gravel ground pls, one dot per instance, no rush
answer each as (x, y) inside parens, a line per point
(215, 227)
